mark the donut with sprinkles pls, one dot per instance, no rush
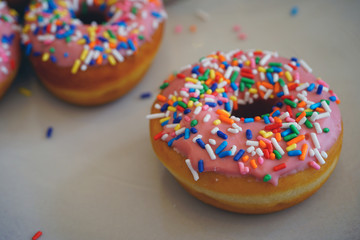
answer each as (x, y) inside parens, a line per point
(90, 52)
(247, 131)
(9, 47)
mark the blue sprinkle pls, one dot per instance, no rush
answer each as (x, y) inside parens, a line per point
(248, 120)
(99, 48)
(36, 54)
(214, 87)
(177, 120)
(211, 104)
(266, 120)
(219, 102)
(196, 70)
(248, 134)
(332, 98)
(53, 58)
(102, 7)
(131, 44)
(286, 132)
(201, 143)
(276, 113)
(191, 90)
(233, 86)
(311, 87)
(193, 130)
(222, 135)
(298, 64)
(226, 64)
(270, 78)
(319, 90)
(66, 54)
(225, 154)
(227, 106)
(174, 115)
(164, 107)
(49, 132)
(315, 105)
(186, 111)
(279, 104)
(175, 104)
(277, 69)
(294, 153)
(240, 65)
(28, 49)
(156, 14)
(164, 123)
(145, 95)
(179, 136)
(171, 142)
(294, 59)
(239, 154)
(280, 94)
(200, 166)
(294, 11)
(221, 147)
(187, 133)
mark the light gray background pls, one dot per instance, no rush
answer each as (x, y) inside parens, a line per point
(98, 178)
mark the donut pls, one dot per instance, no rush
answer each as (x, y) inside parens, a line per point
(247, 131)
(87, 63)
(9, 47)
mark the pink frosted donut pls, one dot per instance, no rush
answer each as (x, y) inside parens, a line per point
(9, 47)
(90, 52)
(247, 131)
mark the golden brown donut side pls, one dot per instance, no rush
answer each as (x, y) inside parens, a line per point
(100, 84)
(244, 194)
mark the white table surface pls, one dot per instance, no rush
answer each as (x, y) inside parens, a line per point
(98, 177)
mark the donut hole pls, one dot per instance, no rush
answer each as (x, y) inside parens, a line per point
(257, 108)
(92, 15)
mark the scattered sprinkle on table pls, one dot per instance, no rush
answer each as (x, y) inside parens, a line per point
(202, 15)
(37, 235)
(178, 28)
(145, 95)
(294, 11)
(192, 28)
(242, 36)
(49, 132)
(25, 92)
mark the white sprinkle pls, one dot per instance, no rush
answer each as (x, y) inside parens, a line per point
(247, 96)
(315, 140)
(286, 90)
(302, 120)
(195, 86)
(206, 118)
(323, 115)
(268, 93)
(228, 72)
(236, 119)
(117, 55)
(193, 172)
(325, 106)
(210, 151)
(222, 84)
(284, 115)
(180, 131)
(164, 137)
(287, 67)
(263, 88)
(287, 125)
(157, 106)
(233, 130)
(241, 102)
(212, 141)
(314, 116)
(324, 154)
(197, 110)
(311, 153)
(155, 115)
(265, 59)
(262, 76)
(253, 153)
(259, 152)
(196, 138)
(277, 146)
(302, 97)
(233, 150)
(250, 149)
(302, 86)
(318, 127)
(275, 77)
(319, 157)
(202, 15)
(234, 125)
(305, 65)
(171, 125)
(214, 130)
(184, 94)
(252, 143)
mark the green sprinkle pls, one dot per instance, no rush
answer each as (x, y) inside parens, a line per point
(84, 8)
(326, 130)
(68, 39)
(247, 80)
(205, 87)
(327, 101)
(268, 114)
(281, 81)
(308, 114)
(234, 76)
(275, 64)
(267, 178)
(270, 70)
(290, 103)
(164, 85)
(194, 99)
(206, 73)
(257, 60)
(111, 34)
(308, 124)
(134, 10)
(182, 104)
(294, 129)
(194, 123)
(202, 91)
(277, 154)
(141, 37)
(248, 85)
(242, 87)
(289, 137)
(52, 50)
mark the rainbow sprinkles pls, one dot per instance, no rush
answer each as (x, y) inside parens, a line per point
(53, 33)
(196, 109)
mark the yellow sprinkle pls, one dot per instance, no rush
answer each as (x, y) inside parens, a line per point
(198, 104)
(173, 98)
(212, 74)
(177, 127)
(247, 62)
(253, 90)
(171, 108)
(265, 134)
(26, 28)
(221, 80)
(13, 12)
(112, 60)
(308, 110)
(81, 41)
(111, 40)
(111, 2)
(179, 98)
(217, 122)
(30, 18)
(45, 57)
(202, 96)
(164, 119)
(220, 90)
(76, 66)
(190, 104)
(291, 147)
(288, 76)
(189, 79)
(25, 92)
(271, 96)
(135, 31)
(209, 91)
(84, 54)
(62, 3)
(233, 98)
(261, 69)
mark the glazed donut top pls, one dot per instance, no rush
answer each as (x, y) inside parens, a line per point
(53, 33)
(8, 31)
(199, 111)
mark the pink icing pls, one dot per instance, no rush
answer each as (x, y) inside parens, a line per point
(227, 165)
(144, 23)
(9, 49)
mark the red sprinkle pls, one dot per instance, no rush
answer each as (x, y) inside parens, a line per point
(180, 75)
(288, 109)
(37, 235)
(273, 126)
(159, 135)
(279, 167)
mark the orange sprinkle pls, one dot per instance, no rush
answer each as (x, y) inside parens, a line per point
(208, 82)
(272, 156)
(221, 58)
(262, 144)
(338, 101)
(303, 114)
(301, 104)
(275, 109)
(235, 105)
(278, 137)
(222, 66)
(234, 63)
(121, 38)
(267, 85)
(262, 94)
(320, 110)
(281, 74)
(161, 98)
(226, 119)
(99, 60)
(170, 102)
(277, 120)
(304, 149)
(257, 118)
(277, 87)
(245, 158)
(253, 163)
(296, 140)
(92, 45)
(223, 112)
(192, 28)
